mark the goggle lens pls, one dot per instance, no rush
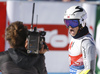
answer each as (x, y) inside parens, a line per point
(73, 23)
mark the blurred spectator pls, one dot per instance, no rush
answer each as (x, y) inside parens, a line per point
(44, 0)
(56, 0)
(72, 0)
(91, 0)
(63, 0)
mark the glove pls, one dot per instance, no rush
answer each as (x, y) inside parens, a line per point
(87, 72)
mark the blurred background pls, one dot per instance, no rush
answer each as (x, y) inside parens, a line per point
(50, 19)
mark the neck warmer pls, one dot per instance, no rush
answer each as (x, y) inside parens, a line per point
(81, 32)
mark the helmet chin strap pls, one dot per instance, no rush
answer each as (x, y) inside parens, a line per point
(81, 27)
(82, 22)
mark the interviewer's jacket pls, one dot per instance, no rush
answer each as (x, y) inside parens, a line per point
(17, 61)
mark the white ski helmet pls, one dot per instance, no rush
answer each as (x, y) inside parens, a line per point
(76, 12)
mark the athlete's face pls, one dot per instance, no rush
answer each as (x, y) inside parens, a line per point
(73, 31)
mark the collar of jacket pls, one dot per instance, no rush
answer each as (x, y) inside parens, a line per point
(21, 58)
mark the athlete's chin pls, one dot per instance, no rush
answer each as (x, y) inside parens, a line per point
(72, 33)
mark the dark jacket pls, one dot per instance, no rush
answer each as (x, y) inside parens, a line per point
(17, 61)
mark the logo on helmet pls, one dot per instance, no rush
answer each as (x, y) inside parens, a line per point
(68, 16)
(80, 9)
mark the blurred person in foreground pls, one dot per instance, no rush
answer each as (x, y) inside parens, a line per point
(98, 47)
(16, 60)
(82, 49)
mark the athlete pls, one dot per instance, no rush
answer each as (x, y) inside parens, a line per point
(82, 49)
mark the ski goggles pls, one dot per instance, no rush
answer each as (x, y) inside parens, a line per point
(71, 22)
